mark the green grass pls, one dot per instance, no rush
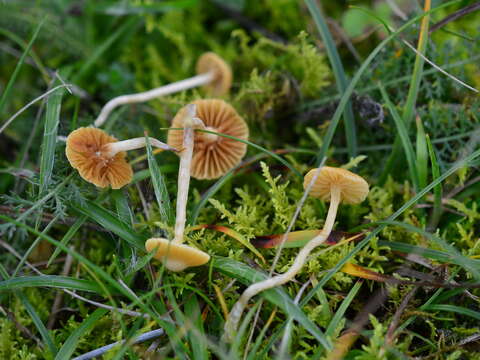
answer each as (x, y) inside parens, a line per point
(73, 255)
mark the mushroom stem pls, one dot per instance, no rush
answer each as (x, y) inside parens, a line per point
(233, 319)
(184, 172)
(111, 149)
(194, 81)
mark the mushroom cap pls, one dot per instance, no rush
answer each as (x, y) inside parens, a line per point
(176, 257)
(84, 152)
(213, 155)
(223, 74)
(353, 188)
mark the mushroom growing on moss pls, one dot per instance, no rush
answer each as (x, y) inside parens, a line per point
(100, 158)
(173, 254)
(213, 155)
(330, 184)
(212, 72)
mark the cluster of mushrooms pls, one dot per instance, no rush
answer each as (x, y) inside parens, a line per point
(101, 159)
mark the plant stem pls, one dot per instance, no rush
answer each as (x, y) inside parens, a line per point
(111, 149)
(233, 320)
(184, 173)
(175, 87)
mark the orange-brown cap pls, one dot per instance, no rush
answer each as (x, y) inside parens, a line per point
(222, 72)
(176, 257)
(213, 155)
(353, 188)
(84, 152)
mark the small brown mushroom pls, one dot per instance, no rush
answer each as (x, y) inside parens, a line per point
(328, 183)
(222, 81)
(100, 158)
(213, 73)
(175, 256)
(213, 155)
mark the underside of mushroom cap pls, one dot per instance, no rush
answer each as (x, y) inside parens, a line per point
(213, 156)
(353, 188)
(176, 257)
(222, 72)
(84, 152)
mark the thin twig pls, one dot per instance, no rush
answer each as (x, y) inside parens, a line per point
(457, 14)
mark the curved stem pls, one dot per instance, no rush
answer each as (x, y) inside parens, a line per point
(184, 173)
(233, 320)
(111, 149)
(172, 88)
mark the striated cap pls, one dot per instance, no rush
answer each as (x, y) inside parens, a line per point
(176, 257)
(213, 155)
(353, 188)
(84, 152)
(223, 74)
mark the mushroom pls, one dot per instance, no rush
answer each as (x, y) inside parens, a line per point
(100, 158)
(327, 183)
(213, 155)
(212, 72)
(175, 255)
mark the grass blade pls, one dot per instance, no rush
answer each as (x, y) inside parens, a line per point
(110, 222)
(54, 281)
(422, 154)
(68, 348)
(403, 133)
(455, 309)
(255, 146)
(52, 119)
(339, 73)
(160, 187)
(332, 326)
(47, 338)
(437, 190)
(13, 78)
(68, 236)
(196, 336)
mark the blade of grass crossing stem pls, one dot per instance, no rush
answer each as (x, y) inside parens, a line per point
(338, 71)
(403, 133)
(333, 325)
(44, 333)
(13, 78)
(392, 217)
(422, 154)
(437, 190)
(159, 186)
(327, 139)
(255, 146)
(69, 346)
(50, 130)
(409, 107)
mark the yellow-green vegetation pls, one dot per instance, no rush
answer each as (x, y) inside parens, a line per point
(74, 273)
